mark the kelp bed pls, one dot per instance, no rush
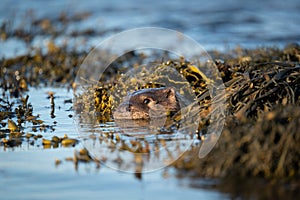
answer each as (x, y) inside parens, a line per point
(261, 135)
(263, 106)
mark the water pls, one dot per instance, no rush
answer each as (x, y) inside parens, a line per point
(32, 175)
(214, 24)
(29, 172)
(59, 124)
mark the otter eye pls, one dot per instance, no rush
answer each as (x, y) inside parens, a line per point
(146, 101)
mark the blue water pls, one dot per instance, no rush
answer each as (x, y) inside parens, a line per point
(214, 24)
(32, 175)
(29, 173)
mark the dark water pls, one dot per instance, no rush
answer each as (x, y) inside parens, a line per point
(29, 173)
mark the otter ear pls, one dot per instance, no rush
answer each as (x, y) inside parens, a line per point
(170, 93)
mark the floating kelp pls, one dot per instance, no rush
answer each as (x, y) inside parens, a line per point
(16, 121)
(56, 67)
(256, 91)
(101, 98)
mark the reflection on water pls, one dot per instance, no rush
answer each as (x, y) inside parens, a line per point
(29, 173)
(28, 170)
(33, 175)
(136, 150)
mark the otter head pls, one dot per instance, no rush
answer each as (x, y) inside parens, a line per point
(147, 104)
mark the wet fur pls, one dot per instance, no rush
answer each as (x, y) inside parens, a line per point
(144, 103)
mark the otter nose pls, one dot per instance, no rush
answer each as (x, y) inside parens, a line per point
(128, 108)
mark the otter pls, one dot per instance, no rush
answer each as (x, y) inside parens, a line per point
(149, 103)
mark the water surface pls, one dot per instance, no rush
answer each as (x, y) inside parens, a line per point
(29, 171)
(214, 24)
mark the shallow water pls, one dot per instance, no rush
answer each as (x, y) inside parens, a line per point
(29, 171)
(33, 175)
(59, 124)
